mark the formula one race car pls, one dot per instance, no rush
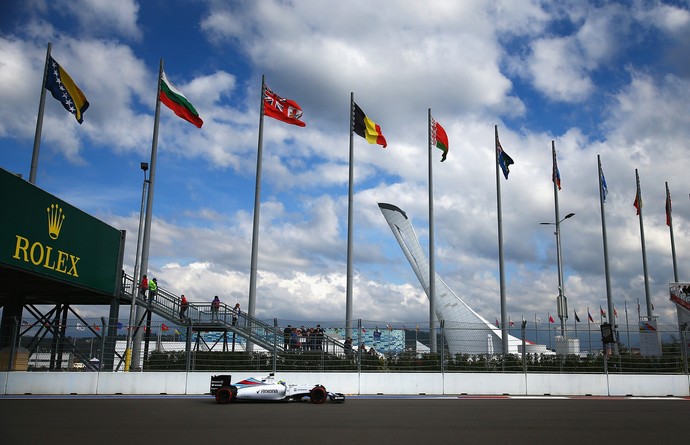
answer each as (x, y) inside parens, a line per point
(268, 389)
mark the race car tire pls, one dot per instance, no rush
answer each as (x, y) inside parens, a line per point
(318, 395)
(224, 395)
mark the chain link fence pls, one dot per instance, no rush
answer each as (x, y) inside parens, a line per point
(91, 345)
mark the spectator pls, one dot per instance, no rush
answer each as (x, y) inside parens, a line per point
(215, 306)
(153, 290)
(144, 286)
(184, 305)
(236, 312)
(319, 333)
(348, 347)
(286, 337)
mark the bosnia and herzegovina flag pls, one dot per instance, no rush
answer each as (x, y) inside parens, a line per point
(367, 128)
(63, 88)
(504, 161)
(177, 102)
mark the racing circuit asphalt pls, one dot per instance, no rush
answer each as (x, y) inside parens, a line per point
(360, 420)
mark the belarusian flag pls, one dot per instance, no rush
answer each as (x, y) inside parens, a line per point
(439, 138)
(176, 101)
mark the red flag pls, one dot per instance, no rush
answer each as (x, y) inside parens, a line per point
(164, 327)
(668, 208)
(638, 202)
(602, 312)
(589, 316)
(285, 110)
(439, 138)
(551, 319)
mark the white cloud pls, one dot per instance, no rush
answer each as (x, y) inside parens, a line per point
(103, 17)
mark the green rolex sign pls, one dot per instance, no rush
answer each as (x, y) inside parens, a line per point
(45, 235)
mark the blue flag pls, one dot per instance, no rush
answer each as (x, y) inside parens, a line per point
(503, 159)
(604, 187)
(63, 88)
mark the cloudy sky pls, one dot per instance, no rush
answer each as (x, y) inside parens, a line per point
(599, 78)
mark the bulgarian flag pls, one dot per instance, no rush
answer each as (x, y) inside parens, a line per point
(176, 101)
(439, 138)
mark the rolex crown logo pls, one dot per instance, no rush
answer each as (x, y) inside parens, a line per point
(55, 219)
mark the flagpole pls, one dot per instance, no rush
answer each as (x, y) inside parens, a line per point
(39, 120)
(589, 330)
(575, 322)
(432, 261)
(562, 302)
(548, 323)
(627, 327)
(350, 210)
(146, 240)
(602, 199)
(644, 249)
(669, 216)
(502, 286)
(251, 307)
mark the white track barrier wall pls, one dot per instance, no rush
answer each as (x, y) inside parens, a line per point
(197, 383)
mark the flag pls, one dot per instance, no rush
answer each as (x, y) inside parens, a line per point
(604, 187)
(177, 332)
(80, 327)
(285, 110)
(668, 208)
(510, 322)
(602, 312)
(498, 325)
(555, 174)
(119, 325)
(177, 102)
(367, 128)
(615, 312)
(577, 319)
(439, 138)
(96, 327)
(63, 88)
(551, 319)
(164, 327)
(638, 202)
(503, 159)
(589, 316)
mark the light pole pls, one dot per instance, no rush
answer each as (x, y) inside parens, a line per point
(135, 277)
(561, 301)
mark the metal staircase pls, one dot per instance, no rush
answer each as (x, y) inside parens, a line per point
(199, 317)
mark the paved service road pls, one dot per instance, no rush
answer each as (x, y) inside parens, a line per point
(197, 420)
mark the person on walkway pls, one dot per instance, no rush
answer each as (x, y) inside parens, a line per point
(184, 305)
(215, 306)
(153, 290)
(144, 286)
(348, 347)
(236, 312)
(286, 337)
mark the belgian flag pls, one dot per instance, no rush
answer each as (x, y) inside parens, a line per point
(367, 128)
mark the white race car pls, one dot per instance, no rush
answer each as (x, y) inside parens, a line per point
(268, 388)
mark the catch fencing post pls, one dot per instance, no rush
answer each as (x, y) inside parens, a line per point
(275, 344)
